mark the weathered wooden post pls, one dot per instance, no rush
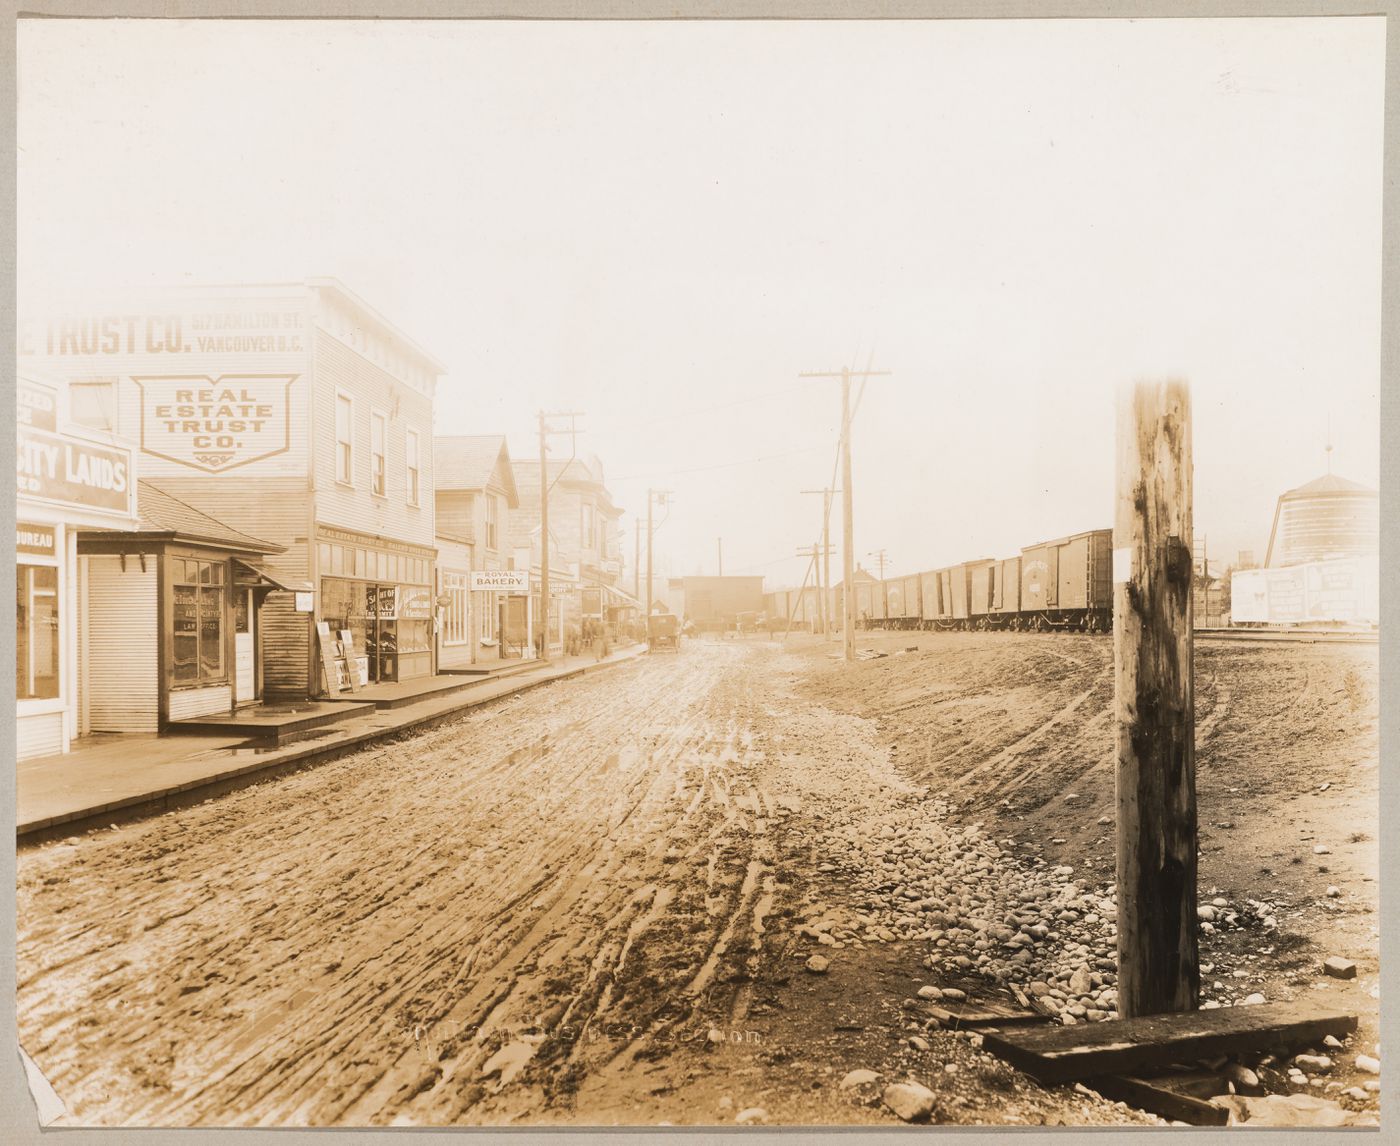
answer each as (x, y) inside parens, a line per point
(1158, 961)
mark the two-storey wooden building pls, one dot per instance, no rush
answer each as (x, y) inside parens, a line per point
(475, 496)
(294, 413)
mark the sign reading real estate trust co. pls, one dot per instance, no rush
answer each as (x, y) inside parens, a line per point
(215, 423)
(206, 384)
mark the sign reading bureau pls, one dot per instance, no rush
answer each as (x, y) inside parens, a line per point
(215, 423)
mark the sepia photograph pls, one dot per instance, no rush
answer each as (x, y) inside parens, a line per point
(582, 573)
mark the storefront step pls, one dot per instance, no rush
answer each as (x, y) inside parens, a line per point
(272, 723)
(396, 694)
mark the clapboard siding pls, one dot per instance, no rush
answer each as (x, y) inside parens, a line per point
(122, 636)
(39, 735)
(186, 703)
(337, 367)
(456, 514)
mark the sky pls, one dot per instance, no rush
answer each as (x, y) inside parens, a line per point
(662, 225)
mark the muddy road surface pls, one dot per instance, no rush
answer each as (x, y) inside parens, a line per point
(596, 903)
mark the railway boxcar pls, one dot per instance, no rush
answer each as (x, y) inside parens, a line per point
(930, 597)
(995, 593)
(1068, 583)
(870, 602)
(960, 578)
(902, 601)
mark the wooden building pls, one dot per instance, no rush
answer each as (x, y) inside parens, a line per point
(292, 413)
(475, 495)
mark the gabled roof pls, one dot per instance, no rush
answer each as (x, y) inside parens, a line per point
(467, 461)
(575, 472)
(162, 512)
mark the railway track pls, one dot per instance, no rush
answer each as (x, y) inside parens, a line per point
(1295, 636)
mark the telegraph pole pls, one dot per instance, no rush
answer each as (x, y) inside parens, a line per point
(545, 431)
(848, 559)
(658, 497)
(828, 606)
(1158, 954)
(883, 558)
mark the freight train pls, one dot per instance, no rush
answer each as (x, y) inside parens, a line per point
(1065, 584)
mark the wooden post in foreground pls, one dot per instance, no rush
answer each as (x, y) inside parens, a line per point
(1158, 962)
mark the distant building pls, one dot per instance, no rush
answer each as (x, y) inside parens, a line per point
(474, 498)
(585, 558)
(716, 601)
(1328, 518)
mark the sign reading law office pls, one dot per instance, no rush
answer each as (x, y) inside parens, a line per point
(218, 423)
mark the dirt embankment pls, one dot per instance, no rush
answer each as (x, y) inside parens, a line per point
(1016, 731)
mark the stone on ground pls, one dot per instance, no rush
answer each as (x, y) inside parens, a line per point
(909, 1100)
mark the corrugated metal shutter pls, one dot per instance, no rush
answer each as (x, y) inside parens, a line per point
(40, 735)
(123, 632)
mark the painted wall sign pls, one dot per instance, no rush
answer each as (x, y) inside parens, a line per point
(369, 541)
(34, 539)
(499, 580)
(256, 326)
(55, 467)
(217, 423)
(36, 405)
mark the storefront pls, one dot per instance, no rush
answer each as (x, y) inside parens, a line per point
(381, 591)
(66, 482)
(170, 618)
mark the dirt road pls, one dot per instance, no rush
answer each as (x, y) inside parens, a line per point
(591, 904)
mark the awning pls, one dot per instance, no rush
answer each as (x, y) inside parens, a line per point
(263, 577)
(617, 599)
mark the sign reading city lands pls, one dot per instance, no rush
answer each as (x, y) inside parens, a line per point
(55, 467)
(217, 423)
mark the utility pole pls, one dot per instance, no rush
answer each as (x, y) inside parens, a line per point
(815, 551)
(637, 560)
(658, 497)
(828, 605)
(848, 559)
(545, 431)
(1158, 954)
(883, 558)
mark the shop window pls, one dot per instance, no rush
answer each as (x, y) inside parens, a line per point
(455, 616)
(344, 449)
(197, 596)
(94, 405)
(377, 433)
(36, 632)
(491, 531)
(411, 462)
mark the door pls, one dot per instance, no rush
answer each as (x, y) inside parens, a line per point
(244, 661)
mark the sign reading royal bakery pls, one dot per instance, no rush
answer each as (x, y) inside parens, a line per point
(218, 423)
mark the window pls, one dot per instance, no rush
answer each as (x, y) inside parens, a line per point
(491, 523)
(94, 405)
(454, 620)
(377, 431)
(197, 593)
(36, 632)
(410, 448)
(344, 410)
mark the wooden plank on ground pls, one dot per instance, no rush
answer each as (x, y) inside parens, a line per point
(1130, 1046)
(1147, 1095)
(979, 1013)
